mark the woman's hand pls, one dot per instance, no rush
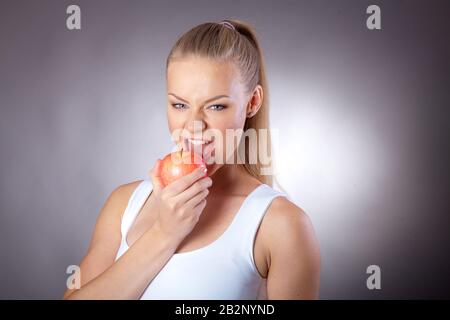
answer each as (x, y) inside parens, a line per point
(180, 203)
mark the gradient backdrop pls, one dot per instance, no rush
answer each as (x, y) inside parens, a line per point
(363, 119)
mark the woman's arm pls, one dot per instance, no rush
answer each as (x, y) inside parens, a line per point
(127, 278)
(178, 207)
(294, 269)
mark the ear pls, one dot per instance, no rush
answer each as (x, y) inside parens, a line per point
(255, 102)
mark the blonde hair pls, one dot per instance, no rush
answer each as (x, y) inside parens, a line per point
(233, 41)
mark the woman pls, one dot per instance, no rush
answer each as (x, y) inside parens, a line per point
(229, 235)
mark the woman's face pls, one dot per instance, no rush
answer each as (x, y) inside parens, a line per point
(205, 98)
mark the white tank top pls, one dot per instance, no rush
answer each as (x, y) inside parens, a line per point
(222, 270)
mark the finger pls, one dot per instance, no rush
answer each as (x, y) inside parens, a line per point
(194, 201)
(155, 175)
(198, 187)
(178, 186)
(200, 207)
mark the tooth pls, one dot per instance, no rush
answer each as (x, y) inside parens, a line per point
(197, 142)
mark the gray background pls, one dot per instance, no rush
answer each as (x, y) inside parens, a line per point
(363, 118)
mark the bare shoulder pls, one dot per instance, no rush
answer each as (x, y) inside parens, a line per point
(292, 251)
(106, 236)
(121, 195)
(286, 226)
(125, 190)
(111, 213)
(283, 213)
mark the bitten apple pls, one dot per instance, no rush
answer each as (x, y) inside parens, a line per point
(178, 164)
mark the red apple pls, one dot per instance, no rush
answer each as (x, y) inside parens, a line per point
(178, 164)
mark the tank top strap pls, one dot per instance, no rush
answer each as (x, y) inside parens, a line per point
(250, 218)
(255, 207)
(135, 203)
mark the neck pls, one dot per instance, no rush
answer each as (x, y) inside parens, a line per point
(227, 179)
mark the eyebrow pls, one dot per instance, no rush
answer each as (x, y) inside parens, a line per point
(209, 100)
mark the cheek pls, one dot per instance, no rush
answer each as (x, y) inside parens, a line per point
(239, 120)
(174, 120)
(232, 122)
(224, 123)
(233, 119)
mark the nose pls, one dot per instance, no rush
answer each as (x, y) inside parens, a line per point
(196, 124)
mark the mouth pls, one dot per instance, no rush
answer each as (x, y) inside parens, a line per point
(200, 146)
(190, 142)
(198, 141)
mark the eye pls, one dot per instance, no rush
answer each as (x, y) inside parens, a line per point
(179, 106)
(217, 107)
